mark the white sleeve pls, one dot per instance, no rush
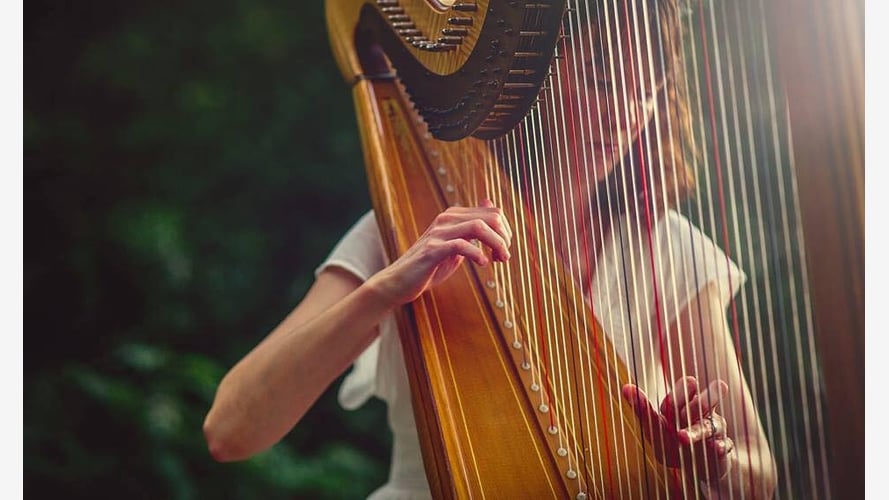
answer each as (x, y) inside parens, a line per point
(692, 261)
(360, 252)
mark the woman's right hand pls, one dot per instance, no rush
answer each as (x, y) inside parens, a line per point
(442, 248)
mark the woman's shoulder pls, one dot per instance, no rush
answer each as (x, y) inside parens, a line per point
(678, 233)
(360, 250)
(688, 251)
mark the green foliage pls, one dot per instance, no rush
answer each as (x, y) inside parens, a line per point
(187, 165)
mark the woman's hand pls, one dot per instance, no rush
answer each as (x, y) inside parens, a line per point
(447, 242)
(686, 430)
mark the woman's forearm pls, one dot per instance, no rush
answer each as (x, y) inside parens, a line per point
(269, 391)
(271, 388)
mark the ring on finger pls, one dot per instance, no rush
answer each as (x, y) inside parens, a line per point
(715, 427)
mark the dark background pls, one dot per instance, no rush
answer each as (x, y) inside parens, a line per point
(186, 167)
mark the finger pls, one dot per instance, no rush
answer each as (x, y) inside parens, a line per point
(711, 427)
(673, 405)
(476, 229)
(503, 223)
(500, 223)
(650, 420)
(493, 216)
(443, 249)
(723, 446)
(707, 400)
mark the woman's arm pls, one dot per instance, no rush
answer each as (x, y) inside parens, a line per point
(707, 425)
(708, 353)
(266, 393)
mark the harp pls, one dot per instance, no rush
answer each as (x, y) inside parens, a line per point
(515, 382)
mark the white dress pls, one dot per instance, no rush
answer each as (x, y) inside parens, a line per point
(685, 261)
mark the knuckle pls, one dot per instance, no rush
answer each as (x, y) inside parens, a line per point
(442, 218)
(455, 245)
(499, 225)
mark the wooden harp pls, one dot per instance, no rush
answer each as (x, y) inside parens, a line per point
(516, 385)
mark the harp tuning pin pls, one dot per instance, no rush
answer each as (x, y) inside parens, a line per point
(526, 365)
(571, 474)
(543, 408)
(460, 21)
(465, 7)
(499, 304)
(454, 31)
(562, 452)
(553, 430)
(507, 324)
(535, 387)
(516, 344)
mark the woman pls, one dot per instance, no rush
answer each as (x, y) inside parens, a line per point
(703, 418)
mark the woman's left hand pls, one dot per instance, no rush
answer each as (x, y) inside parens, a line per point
(686, 430)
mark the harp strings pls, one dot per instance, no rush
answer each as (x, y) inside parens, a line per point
(603, 200)
(564, 208)
(584, 252)
(565, 241)
(737, 166)
(546, 175)
(635, 68)
(727, 157)
(578, 115)
(803, 382)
